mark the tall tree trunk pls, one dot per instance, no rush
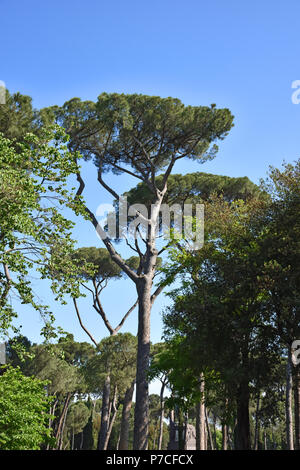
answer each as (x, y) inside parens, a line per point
(104, 414)
(52, 413)
(114, 410)
(200, 418)
(161, 418)
(141, 415)
(64, 422)
(297, 406)
(186, 418)
(288, 402)
(265, 440)
(127, 403)
(256, 435)
(61, 425)
(215, 431)
(224, 436)
(180, 430)
(211, 443)
(224, 420)
(144, 286)
(243, 423)
(231, 438)
(171, 428)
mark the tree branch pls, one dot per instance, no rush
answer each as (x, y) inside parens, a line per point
(156, 293)
(113, 253)
(81, 324)
(126, 316)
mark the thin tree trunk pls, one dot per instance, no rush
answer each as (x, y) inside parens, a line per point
(288, 403)
(180, 430)
(104, 414)
(211, 443)
(52, 412)
(154, 437)
(224, 436)
(161, 418)
(231, 438)
(224, 419)
(200, 418)
(297, 407)
(124, 433)
(61, 425)
(64, 423)
(186, 417)
(215, 431)
(256, 435)
(114, 409)
(141, 415)
(265, 440)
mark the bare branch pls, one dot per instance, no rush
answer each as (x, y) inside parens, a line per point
(81, 324)
(156, 293)
(113, 253)
(126, 316)
(98, 307)
(105, 186)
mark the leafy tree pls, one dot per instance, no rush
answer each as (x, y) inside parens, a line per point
(110, 373)
(34, 234)
(76, 421)
(282, 256)
(223, 306)
(24, 412)
(63, 365)
(157, 371)
(193, 188)
(17, 116)
(158, 430)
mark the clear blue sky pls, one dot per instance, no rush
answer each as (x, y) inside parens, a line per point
(240, 55)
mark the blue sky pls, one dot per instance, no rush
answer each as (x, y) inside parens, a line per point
(240, 55)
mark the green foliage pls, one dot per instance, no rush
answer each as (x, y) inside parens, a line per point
(24, 412)
(193, 188)
(99, 261)
(116, 356)
(154, 415)
(237, 308)
(16, 116)
(142, 131)
(77, 418)
(281, 248)
(34, 234)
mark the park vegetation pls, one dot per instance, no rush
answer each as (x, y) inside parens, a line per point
(227, 364)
